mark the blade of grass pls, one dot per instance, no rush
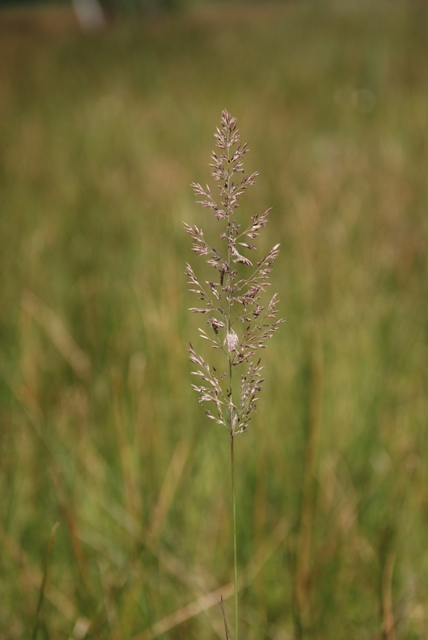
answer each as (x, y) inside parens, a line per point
(226, 628)
(59, 334)
(303, 552)
(387, 608)
(167, 492)
(34, 577)
(44, 581)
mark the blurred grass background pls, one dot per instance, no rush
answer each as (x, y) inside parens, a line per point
(100, 137)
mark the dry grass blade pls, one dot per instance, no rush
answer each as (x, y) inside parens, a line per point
(166, 496)
(57, 332)
(185, 613)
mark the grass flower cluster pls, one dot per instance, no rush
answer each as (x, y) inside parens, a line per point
(239, 322)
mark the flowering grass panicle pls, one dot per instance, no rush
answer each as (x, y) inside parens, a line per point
(238, 322)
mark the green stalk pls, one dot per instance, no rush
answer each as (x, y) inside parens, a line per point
(235, 559)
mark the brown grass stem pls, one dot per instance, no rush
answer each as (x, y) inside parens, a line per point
(388, 632)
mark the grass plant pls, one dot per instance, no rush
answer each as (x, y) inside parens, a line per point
(239, 324)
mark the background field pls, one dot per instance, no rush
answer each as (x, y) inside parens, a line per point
(100, 137)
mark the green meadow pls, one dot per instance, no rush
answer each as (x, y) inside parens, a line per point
(100, 137)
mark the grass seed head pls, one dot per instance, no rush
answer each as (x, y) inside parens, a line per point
(240, 321)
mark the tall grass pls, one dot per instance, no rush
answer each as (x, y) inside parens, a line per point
(99, 138)
(239, 320)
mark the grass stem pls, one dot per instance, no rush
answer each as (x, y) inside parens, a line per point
(44, 582)
(235, 559)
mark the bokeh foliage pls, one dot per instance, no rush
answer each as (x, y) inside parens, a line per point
(100, 137)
